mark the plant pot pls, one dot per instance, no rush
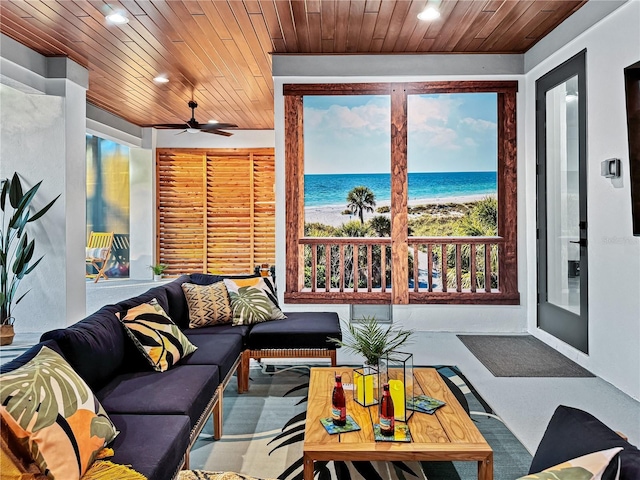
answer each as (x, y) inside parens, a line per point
(6, 334)
(157, 278)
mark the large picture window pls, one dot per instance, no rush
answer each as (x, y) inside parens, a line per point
(405, 193)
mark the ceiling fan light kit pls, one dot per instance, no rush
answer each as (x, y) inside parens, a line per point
(192, 125)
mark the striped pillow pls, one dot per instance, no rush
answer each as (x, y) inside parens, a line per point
(159, 339)
(208, 304)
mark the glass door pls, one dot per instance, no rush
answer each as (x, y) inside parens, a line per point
(562, 201)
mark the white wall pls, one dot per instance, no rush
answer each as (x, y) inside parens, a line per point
(24, 117)
(453, 318)
(614, 253)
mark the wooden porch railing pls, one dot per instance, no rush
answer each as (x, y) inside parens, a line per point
(438, 270)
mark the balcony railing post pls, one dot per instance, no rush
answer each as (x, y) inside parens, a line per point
(472, 265)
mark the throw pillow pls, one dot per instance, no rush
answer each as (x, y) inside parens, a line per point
(155, 335)
(559, 442)
(587, 467)
(208, 304)
(253, 300)
(54, 413)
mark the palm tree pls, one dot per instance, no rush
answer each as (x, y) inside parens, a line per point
(381, 225)
(360, 199)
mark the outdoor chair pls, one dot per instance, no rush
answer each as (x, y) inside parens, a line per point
(98, 252)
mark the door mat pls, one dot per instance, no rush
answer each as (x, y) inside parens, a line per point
(521, 356)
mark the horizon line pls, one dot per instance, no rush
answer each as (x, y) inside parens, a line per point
(388, 173)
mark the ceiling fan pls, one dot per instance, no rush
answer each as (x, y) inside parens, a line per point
(192, 125)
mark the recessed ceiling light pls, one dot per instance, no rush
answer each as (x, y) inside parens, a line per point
(117, 18)
(213, 121)
(161, 79)
(429, 13)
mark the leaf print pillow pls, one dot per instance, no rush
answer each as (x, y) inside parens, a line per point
(54, 414)
(155, 335)
(252, 300)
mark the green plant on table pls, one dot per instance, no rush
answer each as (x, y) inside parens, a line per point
(372, 339)
(16, 250)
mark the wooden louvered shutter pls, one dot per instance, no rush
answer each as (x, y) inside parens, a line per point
(216, 209)
(180, 203)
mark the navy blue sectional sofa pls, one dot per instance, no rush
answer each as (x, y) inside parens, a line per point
(160, 414)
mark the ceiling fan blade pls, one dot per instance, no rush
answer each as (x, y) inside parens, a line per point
(217, 126)
(179, 133)
(219, 132)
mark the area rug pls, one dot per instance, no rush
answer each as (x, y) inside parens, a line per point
(264, 432)
(521, 356)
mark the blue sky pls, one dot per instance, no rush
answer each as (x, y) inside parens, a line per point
(447, 133)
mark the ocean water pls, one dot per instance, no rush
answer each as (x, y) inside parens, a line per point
(332, 189)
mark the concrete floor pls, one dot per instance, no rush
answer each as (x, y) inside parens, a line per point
(525, 404)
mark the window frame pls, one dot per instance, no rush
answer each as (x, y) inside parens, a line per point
(506, 186)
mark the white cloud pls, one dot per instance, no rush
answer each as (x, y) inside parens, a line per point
(370, 119)
(478, 124)
(470, 142)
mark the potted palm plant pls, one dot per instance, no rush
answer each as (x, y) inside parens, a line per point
(16, 250)
(372, 339)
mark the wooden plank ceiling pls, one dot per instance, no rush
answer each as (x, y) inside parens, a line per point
(217, 52)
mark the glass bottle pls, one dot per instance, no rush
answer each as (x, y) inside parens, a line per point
(387, 421)
(338, 404)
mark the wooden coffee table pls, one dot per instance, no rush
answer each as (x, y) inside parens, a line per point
(448, 434)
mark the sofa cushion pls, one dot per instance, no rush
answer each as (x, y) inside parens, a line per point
(208, 279)
(184, 390)
(159, 339)
(221, 350)
(178, 308)
(55, 415)
(208, 304)
(152, 444)
(588, 467)
(298, 330)
(99, 337)
(572, 433)
(240, 330)
(253, 300)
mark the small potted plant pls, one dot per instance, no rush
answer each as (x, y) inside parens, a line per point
(158, 269)
(16, 250)
(372, 339)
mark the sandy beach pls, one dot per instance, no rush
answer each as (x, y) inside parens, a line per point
(332, 215)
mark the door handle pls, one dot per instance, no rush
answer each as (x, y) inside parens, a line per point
(582, 242)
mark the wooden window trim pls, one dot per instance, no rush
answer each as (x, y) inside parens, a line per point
(507, 190)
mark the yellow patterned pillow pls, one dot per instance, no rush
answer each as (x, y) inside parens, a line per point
(54, 414)
(587, 467)
(159, 339)
(208, 304)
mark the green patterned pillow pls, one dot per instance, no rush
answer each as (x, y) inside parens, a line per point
(159, 339)
(253, 300)
(54, 414)
(208, 304)
(587, 467)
